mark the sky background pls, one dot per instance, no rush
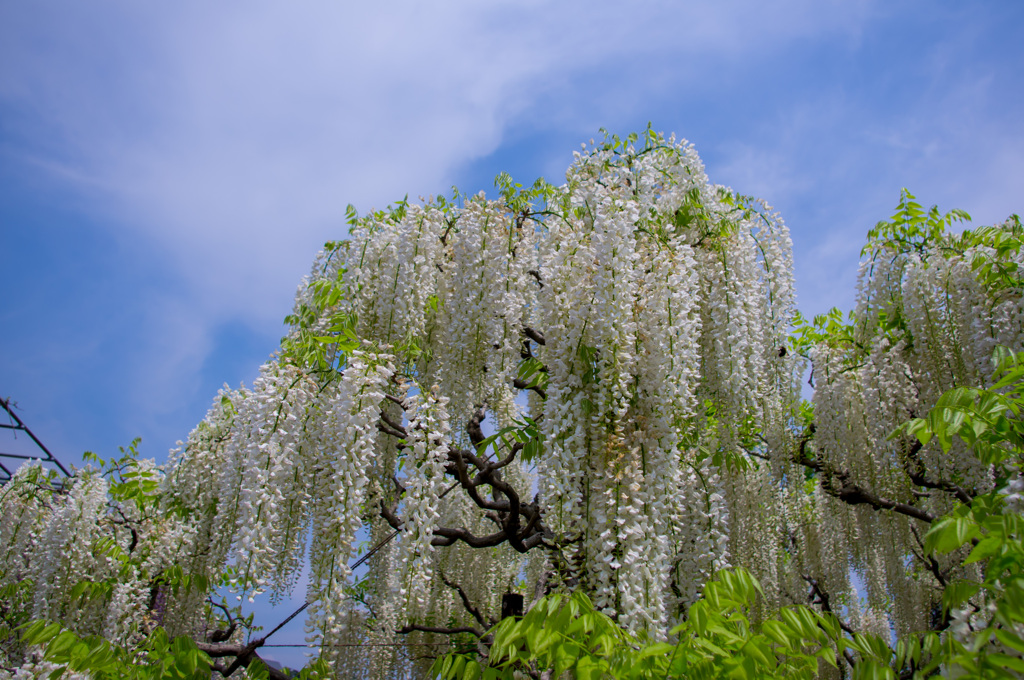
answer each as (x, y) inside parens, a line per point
(169, 170)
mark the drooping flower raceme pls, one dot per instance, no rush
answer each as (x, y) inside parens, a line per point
(424, 483)
(340, 483)
(623, 329)
(931, 308)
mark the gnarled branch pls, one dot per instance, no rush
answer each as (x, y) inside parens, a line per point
(473, 611)
(916, 471)
(840, 485)
(243, 655)
(504, 507)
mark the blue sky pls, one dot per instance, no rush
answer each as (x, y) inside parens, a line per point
(168, 170)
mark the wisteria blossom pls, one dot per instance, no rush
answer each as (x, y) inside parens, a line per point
(595, 385)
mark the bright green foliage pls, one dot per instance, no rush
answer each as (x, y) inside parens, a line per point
(987, 420)
(830, 328)
(911, 228)
(911, 233)
(718, 640)
(522, 432)
(157, 657)
(988, 643)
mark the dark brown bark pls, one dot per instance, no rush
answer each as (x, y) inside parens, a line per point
(839, 484)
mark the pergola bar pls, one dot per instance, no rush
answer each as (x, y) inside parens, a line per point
(20, 426)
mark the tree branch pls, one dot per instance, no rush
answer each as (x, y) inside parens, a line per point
(523, 385)
(386, 429)
(819, 596)
(504, 507)
(852, 493)
(473, 429)
(536, 336)
(244, 656)
(473, 611)
(417, 628)
(218, 636)
(397, 427)
(916, 470)
(838, 484)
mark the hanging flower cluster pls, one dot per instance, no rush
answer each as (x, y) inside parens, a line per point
(624, 334)
(84, 550)
(642, 308)
(932, 306)
(339, 484)
(64, 547)
(659, 299)
(272, 478)
(424, 484)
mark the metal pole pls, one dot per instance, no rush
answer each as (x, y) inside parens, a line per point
(50, 458)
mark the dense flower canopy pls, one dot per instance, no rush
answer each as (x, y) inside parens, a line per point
(594, 386)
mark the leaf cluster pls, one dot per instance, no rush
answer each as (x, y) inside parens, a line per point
(524, 431)
(157, 657)
(912, 228)
(565, 634)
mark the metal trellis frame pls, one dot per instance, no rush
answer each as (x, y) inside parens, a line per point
(17, 425)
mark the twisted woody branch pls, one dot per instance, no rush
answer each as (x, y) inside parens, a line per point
(519, 523)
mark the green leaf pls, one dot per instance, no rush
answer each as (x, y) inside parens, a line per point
(710, 646)
(949, 533)
(589, 668)
(472, 670)
(986, 548)
(564, 656)
(61, 644)
(446, 666)
(1005, 661)
(699, 617)
(799, 620)
(779, 632)
(1009, 639)
(756, 651)
(257, 670)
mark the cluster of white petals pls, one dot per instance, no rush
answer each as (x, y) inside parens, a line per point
(664, 301)
(633, 317)
(629, 334)
(339, 480)
(67, 555)
(273, 477)
(928, 318)
(424, 483)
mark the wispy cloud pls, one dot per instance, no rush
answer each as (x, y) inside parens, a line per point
(234, 135)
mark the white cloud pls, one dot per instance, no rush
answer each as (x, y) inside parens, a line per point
(234, 134)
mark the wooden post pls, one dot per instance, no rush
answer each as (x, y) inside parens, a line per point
(511, 605)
